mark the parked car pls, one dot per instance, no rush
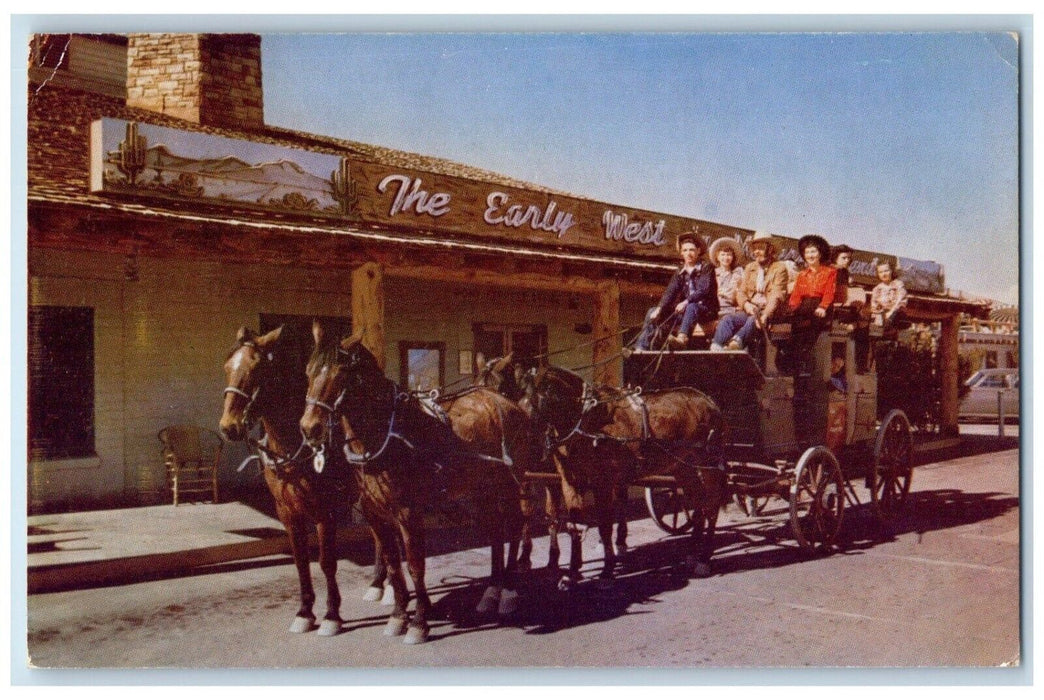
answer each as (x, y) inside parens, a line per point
(981, 400)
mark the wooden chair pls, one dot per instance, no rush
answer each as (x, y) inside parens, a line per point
(191, 455)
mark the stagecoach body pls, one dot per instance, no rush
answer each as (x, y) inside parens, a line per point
(789, 431)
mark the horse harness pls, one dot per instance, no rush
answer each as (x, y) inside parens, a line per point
(428, 403)
(647, 442)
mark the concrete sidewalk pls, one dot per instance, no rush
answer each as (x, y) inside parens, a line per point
(74, 550)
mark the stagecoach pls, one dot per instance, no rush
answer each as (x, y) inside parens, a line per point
(792, 438)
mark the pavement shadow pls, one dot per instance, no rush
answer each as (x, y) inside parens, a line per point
(642, 577)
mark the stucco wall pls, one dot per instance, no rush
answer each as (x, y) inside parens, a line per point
(160, 341)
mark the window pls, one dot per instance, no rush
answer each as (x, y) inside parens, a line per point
(61, 382)
(422, 366)
(527, 342)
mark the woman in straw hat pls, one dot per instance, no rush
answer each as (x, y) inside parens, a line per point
(727, 254)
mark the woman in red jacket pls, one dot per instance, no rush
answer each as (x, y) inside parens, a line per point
(817, 282)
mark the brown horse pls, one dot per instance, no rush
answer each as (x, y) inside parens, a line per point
(507, 377)
(605, 438)
(255, 392)
(407, 457)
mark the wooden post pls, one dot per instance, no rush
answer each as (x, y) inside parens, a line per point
(950, 369)
(368, 307)
(606, 352)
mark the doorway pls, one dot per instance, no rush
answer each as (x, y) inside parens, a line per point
(528, 342)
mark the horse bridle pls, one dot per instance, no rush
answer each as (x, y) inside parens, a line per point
(331, 413)
(251, 398)
(273, 460)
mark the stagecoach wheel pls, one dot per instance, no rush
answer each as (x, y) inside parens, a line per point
(892, 468)
(817, 499)
(671, 508)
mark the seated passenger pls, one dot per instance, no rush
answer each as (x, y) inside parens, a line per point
(888, 299)
(809, 303)
(728, 256)
(692, 295)
(842, 258)
(837, 374)
(759, 296)
(816, 285)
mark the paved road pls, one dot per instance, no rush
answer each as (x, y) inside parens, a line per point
(942, 592)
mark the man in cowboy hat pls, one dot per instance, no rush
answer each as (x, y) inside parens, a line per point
(692, 294)
(759, 296)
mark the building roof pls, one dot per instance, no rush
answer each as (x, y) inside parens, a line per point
(59, 157)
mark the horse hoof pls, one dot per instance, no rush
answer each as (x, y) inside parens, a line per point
(329, 628)
(416, 635)
(508, 602)
(490, 600)
(300, 625)
(566, 584)
(373, 594)
(389, 596)
(395, 627)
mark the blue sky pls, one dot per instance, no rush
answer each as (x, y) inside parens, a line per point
(904, 143)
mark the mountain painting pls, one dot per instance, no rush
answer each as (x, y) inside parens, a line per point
(130, 158)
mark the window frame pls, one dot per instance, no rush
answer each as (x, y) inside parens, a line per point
(404, 360)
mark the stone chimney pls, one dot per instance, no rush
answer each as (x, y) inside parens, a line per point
(210, 79)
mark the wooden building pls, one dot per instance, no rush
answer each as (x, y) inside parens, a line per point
(163, 213)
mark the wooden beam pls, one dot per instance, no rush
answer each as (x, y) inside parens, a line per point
(950, 371)
(523, 280)
(606, 357)
(368, 308)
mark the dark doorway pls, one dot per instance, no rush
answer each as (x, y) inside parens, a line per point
(527, 342)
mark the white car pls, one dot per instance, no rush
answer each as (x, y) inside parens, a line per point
(984, 387)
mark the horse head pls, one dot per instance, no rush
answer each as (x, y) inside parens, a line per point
(246, 372)
(558, 397)
(337, 370)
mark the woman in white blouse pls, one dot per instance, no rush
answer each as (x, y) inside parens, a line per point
(727, 255)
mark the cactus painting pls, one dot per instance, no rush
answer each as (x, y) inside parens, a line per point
(345, 190)
(131, 158)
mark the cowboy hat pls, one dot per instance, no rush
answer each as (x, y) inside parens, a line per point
(730, 243)
(766, 238)
(817, 241)
(690, 236)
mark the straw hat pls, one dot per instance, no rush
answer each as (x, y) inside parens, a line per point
(730, 243)
(766, 238)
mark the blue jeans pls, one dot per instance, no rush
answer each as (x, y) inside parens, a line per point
(739, 324)
(694, 313)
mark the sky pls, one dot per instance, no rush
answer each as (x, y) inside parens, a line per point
(903, 143)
